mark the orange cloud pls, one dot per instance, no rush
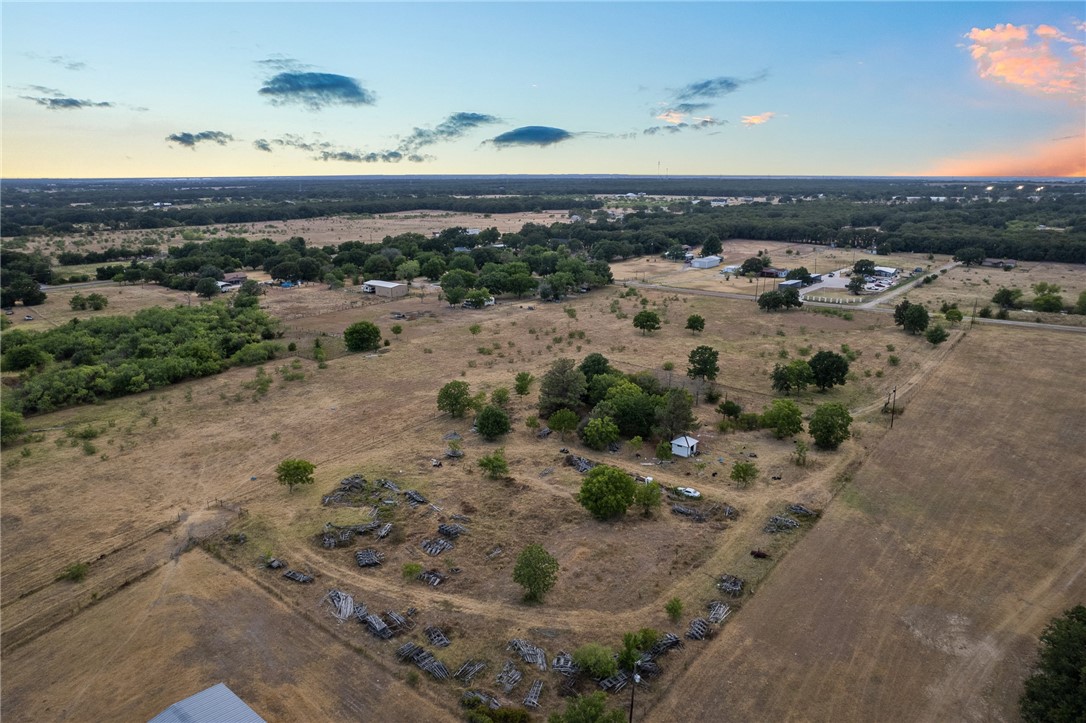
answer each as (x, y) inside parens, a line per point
(756, 120)
(1049, 62)
(1063, 157)
(672, 116)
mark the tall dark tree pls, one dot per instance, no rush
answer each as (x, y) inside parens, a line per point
(562, 386)
(1056, 691)
(646, 321)
(829, 369)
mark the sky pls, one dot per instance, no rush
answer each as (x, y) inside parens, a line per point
(158, 89)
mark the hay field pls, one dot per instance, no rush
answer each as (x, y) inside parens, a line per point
(164, 458)
(921, 593)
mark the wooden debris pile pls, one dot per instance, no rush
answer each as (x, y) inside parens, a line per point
(274, 563)
(616, 682)
(543, 432)
(436, 546)
(352, 491)
(436, 636)
(297, 576)
(699, 629)
(469, 670)
(377, 626)
(414, 498)
(667, 643)
(422, 658)
(508, 677)
(532, 699)
(368, 558)
(581, 464)
(563, 663)
(472, 697)
(452, 531)
(390, 485)
(398, 623)
(798, 509)
(780, 523)
(529, 653)
(718, 611)
(731, 585)
(342, 604)
(433, 578)
(688, 513)
(383, 532)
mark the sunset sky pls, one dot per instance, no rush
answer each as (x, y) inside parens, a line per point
(715, 88)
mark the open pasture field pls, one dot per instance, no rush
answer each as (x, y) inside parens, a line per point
(317, 232)
(920, 594)
(163, 459)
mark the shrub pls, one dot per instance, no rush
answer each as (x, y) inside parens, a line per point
(492, 422)
(749, 421)
(362, 336)
(674, 609)
(411, 570)
(663, 450)
(495, 465)
(829, 425)
(76, 572)
(536, 571)
(606, 492)
(744, 473)
(600, 432)
(730, 409)
(647, 496)
(596, 660)
(396, 329)
(523, 383)
(563, 421)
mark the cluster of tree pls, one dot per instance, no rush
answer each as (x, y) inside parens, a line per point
(779, 299)
(1047, 297)
(21, 276)
(94, 302)
(605, 405)
(1056, 691)
(915, 319)
(491, 419)
(87, 360)
(826, 369)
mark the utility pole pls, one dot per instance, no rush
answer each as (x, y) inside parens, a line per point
(633, 689)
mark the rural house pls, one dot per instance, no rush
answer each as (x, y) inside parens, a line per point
(684, 446)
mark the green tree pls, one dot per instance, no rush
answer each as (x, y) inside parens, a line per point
(915, 319)
(590, 708)
(695, 323)
(954, 316)
(753, 265)
(492, 422)
(829, 369)
(563, 421)
(648, 497)
(1007, 298)
(1080, 305)
(829, 425)
(784, 417)
(634, 645)
(855, 284)
(495, 465)
(646, 321)
(801, 273)
(711, 247)
(455, 295)
(970, 255)
(455, 398)
(523, 383)
(478, 298)
(78, 303)
(1056, 691)
(206, 287)
(729, 408)
(97, 302)
(562, 386)
(500, 397)
(703, 364)
(362, 336)
(663, 450)
(600, 432)
(606, 492)
(292, 472)
(594, 365)
(744, 473)
(536, 571)
(863, 267)
(675, 414)
(11, 426)
(792, 377)
(800, 453)
(936, 334)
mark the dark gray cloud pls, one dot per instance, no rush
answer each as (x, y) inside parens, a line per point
(690, 107)
(61, 103)
(453, 127)
(715, 87)
(532, 136)
(315, 90)
(189, 140)
(362, 157)
(262, 145)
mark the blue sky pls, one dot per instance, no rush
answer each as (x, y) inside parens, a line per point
(720, 88)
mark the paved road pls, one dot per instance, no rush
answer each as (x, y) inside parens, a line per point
(867, 306)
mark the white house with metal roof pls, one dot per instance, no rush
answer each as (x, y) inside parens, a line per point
(684, 446)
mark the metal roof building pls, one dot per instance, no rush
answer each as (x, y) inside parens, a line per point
(217, 704)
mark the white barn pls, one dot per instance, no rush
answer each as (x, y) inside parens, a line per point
(684, 446)
(706, 262)
(391, 289)
(214, 705)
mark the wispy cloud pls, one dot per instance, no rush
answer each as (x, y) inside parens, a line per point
(261, 144)
(715, 87)
(315, 90)
(363, 157)
(756, 120)
(531, 136)
(679, 124)
(189, 140)
(453, 127)
(327, 151)
(1058, 157)
(1044, 60)
(57, 101)
(62, 60)
(282, 63)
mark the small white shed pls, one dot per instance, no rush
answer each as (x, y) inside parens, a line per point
(706, 262)
(684, 446)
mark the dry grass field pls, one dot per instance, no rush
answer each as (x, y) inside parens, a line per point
(175, 622)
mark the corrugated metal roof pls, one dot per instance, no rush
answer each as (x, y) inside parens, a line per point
(383, 284)
(217, 704)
